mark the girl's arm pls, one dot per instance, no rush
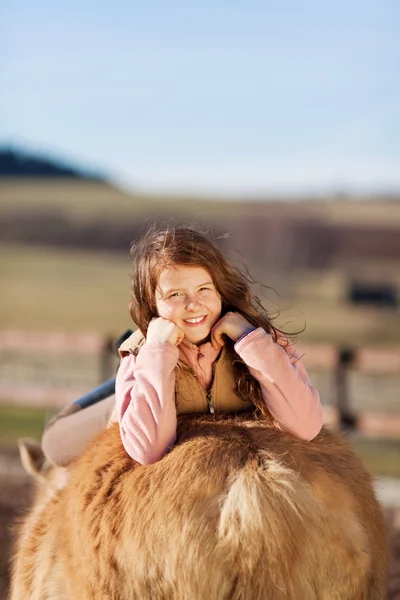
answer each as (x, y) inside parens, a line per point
(286, 388)
(145, 398)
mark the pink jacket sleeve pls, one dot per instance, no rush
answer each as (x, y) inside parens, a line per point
(286, 388)
(145, 399)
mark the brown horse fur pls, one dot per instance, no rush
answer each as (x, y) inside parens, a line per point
(236, 511)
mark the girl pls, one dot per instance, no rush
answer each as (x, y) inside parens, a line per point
(204, 344)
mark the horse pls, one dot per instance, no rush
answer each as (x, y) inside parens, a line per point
(237, 510)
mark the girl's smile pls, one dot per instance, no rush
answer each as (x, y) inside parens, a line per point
(187, 296)
(195, 321)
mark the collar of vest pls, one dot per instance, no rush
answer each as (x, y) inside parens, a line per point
(132, 344)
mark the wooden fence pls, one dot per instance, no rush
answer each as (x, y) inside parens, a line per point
(364, 391)
(360, 387)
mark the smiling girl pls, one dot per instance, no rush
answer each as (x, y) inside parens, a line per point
(204, 344)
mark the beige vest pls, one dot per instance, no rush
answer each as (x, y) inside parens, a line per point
(190, 395)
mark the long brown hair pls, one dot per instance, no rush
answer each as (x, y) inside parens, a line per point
(162, 247)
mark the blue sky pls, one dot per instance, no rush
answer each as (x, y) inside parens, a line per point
(240, 97)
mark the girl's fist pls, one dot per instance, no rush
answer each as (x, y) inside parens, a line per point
(234, 325)
(162, 330)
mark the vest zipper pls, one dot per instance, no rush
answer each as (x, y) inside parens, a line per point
(210, 404)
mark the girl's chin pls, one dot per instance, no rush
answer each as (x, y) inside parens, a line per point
(197, 342)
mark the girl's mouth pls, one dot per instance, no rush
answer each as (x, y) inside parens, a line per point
(195, 320)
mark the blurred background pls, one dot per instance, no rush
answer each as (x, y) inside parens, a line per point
(274, 125)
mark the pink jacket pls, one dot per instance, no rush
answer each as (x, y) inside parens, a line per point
(145, 391)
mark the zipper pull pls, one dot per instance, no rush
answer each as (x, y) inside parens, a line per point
(210, 404)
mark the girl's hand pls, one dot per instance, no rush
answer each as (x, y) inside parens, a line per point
(162, 330)
(234, 325)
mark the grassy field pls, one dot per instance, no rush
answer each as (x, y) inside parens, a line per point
(52, 289)
(21, 422)
(380, 455)
(70, 290)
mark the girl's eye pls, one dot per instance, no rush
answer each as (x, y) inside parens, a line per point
(174, 295)
(204, 289)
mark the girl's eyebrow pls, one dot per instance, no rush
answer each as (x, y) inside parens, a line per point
(173, 290)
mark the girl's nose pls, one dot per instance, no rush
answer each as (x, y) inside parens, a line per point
(192, 303)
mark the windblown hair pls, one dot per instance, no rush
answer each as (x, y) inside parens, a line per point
(160, 248)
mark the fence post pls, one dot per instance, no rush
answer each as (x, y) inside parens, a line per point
(347, 418)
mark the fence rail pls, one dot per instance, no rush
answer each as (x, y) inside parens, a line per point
(360, 387)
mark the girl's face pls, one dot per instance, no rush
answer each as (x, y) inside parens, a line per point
(187, 296)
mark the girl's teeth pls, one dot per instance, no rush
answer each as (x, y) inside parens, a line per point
(194, 320)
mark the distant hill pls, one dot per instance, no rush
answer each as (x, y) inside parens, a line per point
(17, 163)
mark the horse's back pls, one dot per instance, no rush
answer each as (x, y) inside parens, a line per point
(234, 511)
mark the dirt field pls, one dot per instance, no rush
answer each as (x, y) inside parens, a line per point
(15, 490)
